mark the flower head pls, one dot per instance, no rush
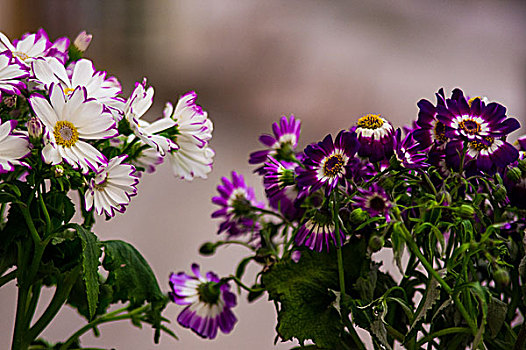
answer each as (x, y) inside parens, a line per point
(317, 232)
(429, 129)
(374, 201)
(237, 201)
(112, 187)
(11, 75)
(375, 136)
(209, 302)
(280, 187)
(409, 154)
(13, 147)
(326, 163)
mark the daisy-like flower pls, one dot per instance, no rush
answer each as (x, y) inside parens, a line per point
(375, 135)
(409, 154)
(428, 129)
(136, 106)
(280, 187)
(237, 201)
(11, 74)
(69, 121)
(374, 201)
(193, 156)
(112, 187)
(326, 163)
(13, 147)
(317, 232)
(50, 70)
(281, 145)
(473, 120)
(209, 302)
(33, 45)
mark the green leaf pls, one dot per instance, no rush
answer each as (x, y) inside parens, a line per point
(130, 276)
(380, 333)
(496, 314)
(430, 298)
(91, 252)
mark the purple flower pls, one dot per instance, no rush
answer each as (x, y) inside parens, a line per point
(280, 146)
(209, 302)
(429, 130)
(11, 73)
(473, 120)
(317, 232)
(374, 201)
(237, 201)
(280, 187)
(375, 135)
(327, 162)
(409, 153)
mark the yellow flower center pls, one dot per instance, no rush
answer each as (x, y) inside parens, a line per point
(479, 146)
(333, 165)
(370, 121)
(440, 132)
(68, 91)
(22, 55)
(65, 133)
(470, 126)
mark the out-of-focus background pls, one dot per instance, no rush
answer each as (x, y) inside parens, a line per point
(327, 62)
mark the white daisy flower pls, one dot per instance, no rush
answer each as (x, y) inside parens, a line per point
(49, 70)
(191, 161)
(112, 187)
(13, 147)
(11, 74)
(138, 104)
(70, 120)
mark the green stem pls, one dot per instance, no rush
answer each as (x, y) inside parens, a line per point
(46, 213)
(8, 277)
(441, 333)
(429, 183)
(242, 285)
(244, 244)
(270, 212)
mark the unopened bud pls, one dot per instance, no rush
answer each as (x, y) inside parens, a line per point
(465, 211)
(9, 101)
(207, 248)
(82, 41)
(514, 174)
(34, 128)
(500, 193)
(376, 243)
(502, 277)
(358, 216)
(58, 170)
(522, 165)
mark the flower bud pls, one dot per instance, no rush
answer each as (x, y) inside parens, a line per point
(502, 277)
(34, 128)
(465, 211)
(58, 170)
(499, 193)
(207, 248)
(358, 216)
(522, 165)
(9, 101)
(514, 174)
(82, 41)
(376, 243)
(444, 198)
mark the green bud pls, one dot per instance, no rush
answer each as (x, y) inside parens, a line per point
(208, 248)
(465, 211)
(499, 193)
(522, 165)
(358, 216)
(387, 183)
(376, 243)
(58, 170)
(502, 277)
(514, 174)
(444, 198)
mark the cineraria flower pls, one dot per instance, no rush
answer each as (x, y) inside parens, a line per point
(191, 161)
(33, 45)
(474, 121)
(429, 130)
(374, 201)
(280, 187)
(112, 187)
(138, 103)
(375, 136)
(281, 145)
(209, 302)
(237, 201)
(83, 73)
(68, 121)
(317, 231)
(10, 75)
(409, 154)
(13, 147)
(327, 162)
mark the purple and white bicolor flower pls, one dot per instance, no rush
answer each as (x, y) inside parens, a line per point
(327, 162)
(11, 73)
(236, 200)
(50, 70)
(375, 135)
(209, 302)
(13, 147)
(409, 154)
(317, 232)
(281, 145)
(33, 45)
(429, 130)
(136, 106)
(112, 187)
(374, 201)
(69, 121)
(473, 120)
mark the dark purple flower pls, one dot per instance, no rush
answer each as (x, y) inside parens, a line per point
(374, 201)
(209, 302)
(429, 130)
(473, 120)
(237, 201)
(327, 162)
(409, 153)
(281, 145)
(317, 232)
(375, 135)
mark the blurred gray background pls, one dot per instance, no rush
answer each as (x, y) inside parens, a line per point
(327, 62)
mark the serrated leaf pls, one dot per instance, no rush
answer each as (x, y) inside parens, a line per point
(380, 333)
(431, 296)
(91, 252)
(496, 314)
(130, 276)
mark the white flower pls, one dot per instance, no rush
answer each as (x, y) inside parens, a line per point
(82, 41)
(191, 161)
(70, 120)
(138, 104)
(49, 70)
(13, 147)
(112, 187)
(11, 74)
